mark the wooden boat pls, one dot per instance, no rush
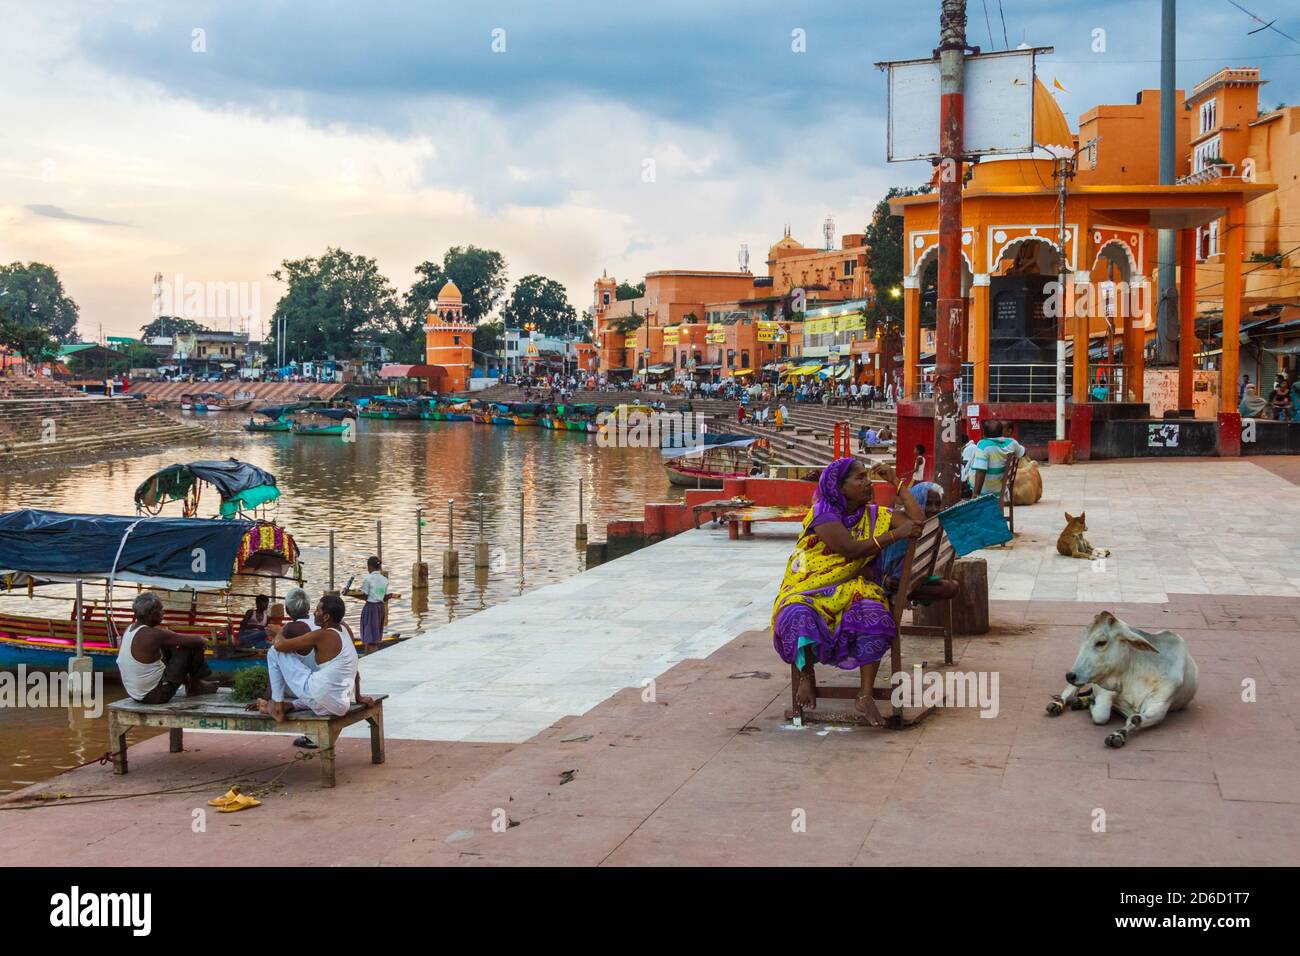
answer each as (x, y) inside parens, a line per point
(323, 421)
(712, 461)
(218, 402)
(276, 417)
(242, 487)
(391, 409)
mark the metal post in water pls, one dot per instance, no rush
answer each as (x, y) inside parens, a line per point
(521, 536)
(480, 546)
(379, 539)
(80, 650)
(450, 559)
(580, 532)
(331, 588)
(420, 570)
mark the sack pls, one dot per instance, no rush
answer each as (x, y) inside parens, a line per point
(978, 523)
(1029, 483)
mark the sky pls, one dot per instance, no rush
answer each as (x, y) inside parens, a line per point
(209, 141)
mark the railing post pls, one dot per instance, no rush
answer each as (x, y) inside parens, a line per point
(450, 558)
(580, 532)
(420, 570)
(480, 546)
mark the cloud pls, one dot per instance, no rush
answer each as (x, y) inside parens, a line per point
(56, 212)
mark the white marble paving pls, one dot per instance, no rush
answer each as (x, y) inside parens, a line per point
(511, 670)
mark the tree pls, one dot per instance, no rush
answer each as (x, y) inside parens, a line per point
(489, 338)
(166, 325)
(331, 302)
(627, 324)
(884, 238)
(626, 291)
(541, 303)
(33, 296)
(480, 274)
(30, 341)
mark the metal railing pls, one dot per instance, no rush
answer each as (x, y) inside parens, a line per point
(1106, 382)
(1010, 383)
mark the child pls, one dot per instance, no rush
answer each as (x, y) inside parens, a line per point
(375, 588)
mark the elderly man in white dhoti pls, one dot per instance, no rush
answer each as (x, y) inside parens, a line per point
(325, 681)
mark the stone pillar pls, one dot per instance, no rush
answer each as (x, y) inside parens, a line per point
(911, 335)
(1232, 252)
(1186, 317)
(1134, 344)
(1080, 329)
(980, 320)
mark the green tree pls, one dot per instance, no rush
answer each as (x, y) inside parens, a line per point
(884, 237)
(628, 291)
(480, 274)
(332, 301)
(542, 303)
(489, 338)
(166, 325)
(30, 341)
(33, 296)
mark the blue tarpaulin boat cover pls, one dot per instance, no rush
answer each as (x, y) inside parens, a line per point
(164, 552)
(710, 440)
(229, 477)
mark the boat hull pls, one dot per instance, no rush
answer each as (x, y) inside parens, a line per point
(698, 477)
(320, 430)
(267, 426)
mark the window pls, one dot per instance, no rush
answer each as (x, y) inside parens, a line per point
(1207, 115)
(1207, 151)
(606, 298)
(731, 358)
(744, 358)
(849, 266)
(455, 340)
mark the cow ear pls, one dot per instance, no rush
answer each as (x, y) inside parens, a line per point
(1138, 642)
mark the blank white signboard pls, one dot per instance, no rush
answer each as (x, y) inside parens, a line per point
(999, 106)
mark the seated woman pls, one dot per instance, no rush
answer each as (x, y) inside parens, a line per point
(928, 498)
(252, 628)
(831, 608)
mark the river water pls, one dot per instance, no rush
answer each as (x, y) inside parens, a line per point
(390, 470)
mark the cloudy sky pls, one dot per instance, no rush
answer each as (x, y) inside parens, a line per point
(211, 140)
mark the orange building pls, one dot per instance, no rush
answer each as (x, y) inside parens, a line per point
(448, 342)
(724, 324)
(1012, 251)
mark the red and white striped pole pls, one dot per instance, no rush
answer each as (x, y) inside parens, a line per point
(948, 345)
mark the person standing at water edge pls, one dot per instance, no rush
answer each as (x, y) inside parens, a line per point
(375, 588)
(154, 662)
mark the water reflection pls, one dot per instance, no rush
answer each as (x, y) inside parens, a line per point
(528, 478)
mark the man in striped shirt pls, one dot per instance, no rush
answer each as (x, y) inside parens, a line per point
(989, 465)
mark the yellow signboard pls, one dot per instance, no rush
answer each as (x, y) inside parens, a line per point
(771, 332)
(851, 323)
(717, 334)
(818, 326)
(670, 334)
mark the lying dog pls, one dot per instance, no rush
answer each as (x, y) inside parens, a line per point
(1073, 544)
(1141, 675)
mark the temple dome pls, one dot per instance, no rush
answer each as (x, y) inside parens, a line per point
(1052, 139)
(450, 293)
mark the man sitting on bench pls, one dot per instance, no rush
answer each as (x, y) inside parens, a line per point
(154, 662)
(325, 683)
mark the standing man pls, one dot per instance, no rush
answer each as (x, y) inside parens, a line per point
(374, 586)
(989, 466)
(154, 662)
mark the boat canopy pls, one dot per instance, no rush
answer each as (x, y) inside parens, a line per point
(276, 412)
(241, 486)
(708, 440)
(338, 414)
(173, 553)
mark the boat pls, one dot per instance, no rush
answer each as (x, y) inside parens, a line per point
(390, 408)
(242, 487)
(195, 401)
(323, 421)
(276, 417)
(217, 402)
(712, 460)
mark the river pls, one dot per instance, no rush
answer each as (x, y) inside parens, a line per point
(327, 484)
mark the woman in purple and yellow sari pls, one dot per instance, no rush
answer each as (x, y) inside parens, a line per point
(831, 608)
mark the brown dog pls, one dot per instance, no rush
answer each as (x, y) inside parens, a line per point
(1073, 544)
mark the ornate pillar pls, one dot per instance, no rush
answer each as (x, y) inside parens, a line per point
(1135, 342)
(979, 335)
(1080, 331)
(1232, 251)
(911, 335)
(1186, 317)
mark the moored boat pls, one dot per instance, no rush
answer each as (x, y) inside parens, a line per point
(711, 460)
(323, 421)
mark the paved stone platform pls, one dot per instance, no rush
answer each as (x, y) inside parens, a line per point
(709, 772)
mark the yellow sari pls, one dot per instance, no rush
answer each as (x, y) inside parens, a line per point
(834, 604)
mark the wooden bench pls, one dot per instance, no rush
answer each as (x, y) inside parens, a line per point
(740, 523)
(220, 711)
(717, 507)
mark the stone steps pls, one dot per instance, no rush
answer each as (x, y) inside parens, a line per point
(57, 427)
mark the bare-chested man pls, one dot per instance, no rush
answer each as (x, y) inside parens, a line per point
(325, 681)
(155, 662)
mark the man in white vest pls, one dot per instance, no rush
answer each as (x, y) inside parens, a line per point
(154, 662)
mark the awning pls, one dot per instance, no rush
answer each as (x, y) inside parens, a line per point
(1291, 348)
(228, 365)
(659, 369)
(412, 371)
(743, 371)
(803, 370)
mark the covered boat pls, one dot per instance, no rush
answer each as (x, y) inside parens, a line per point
(276, 416)
(322, 421)
(242, 487)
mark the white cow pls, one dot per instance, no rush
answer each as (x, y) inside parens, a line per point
(1142, 675)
